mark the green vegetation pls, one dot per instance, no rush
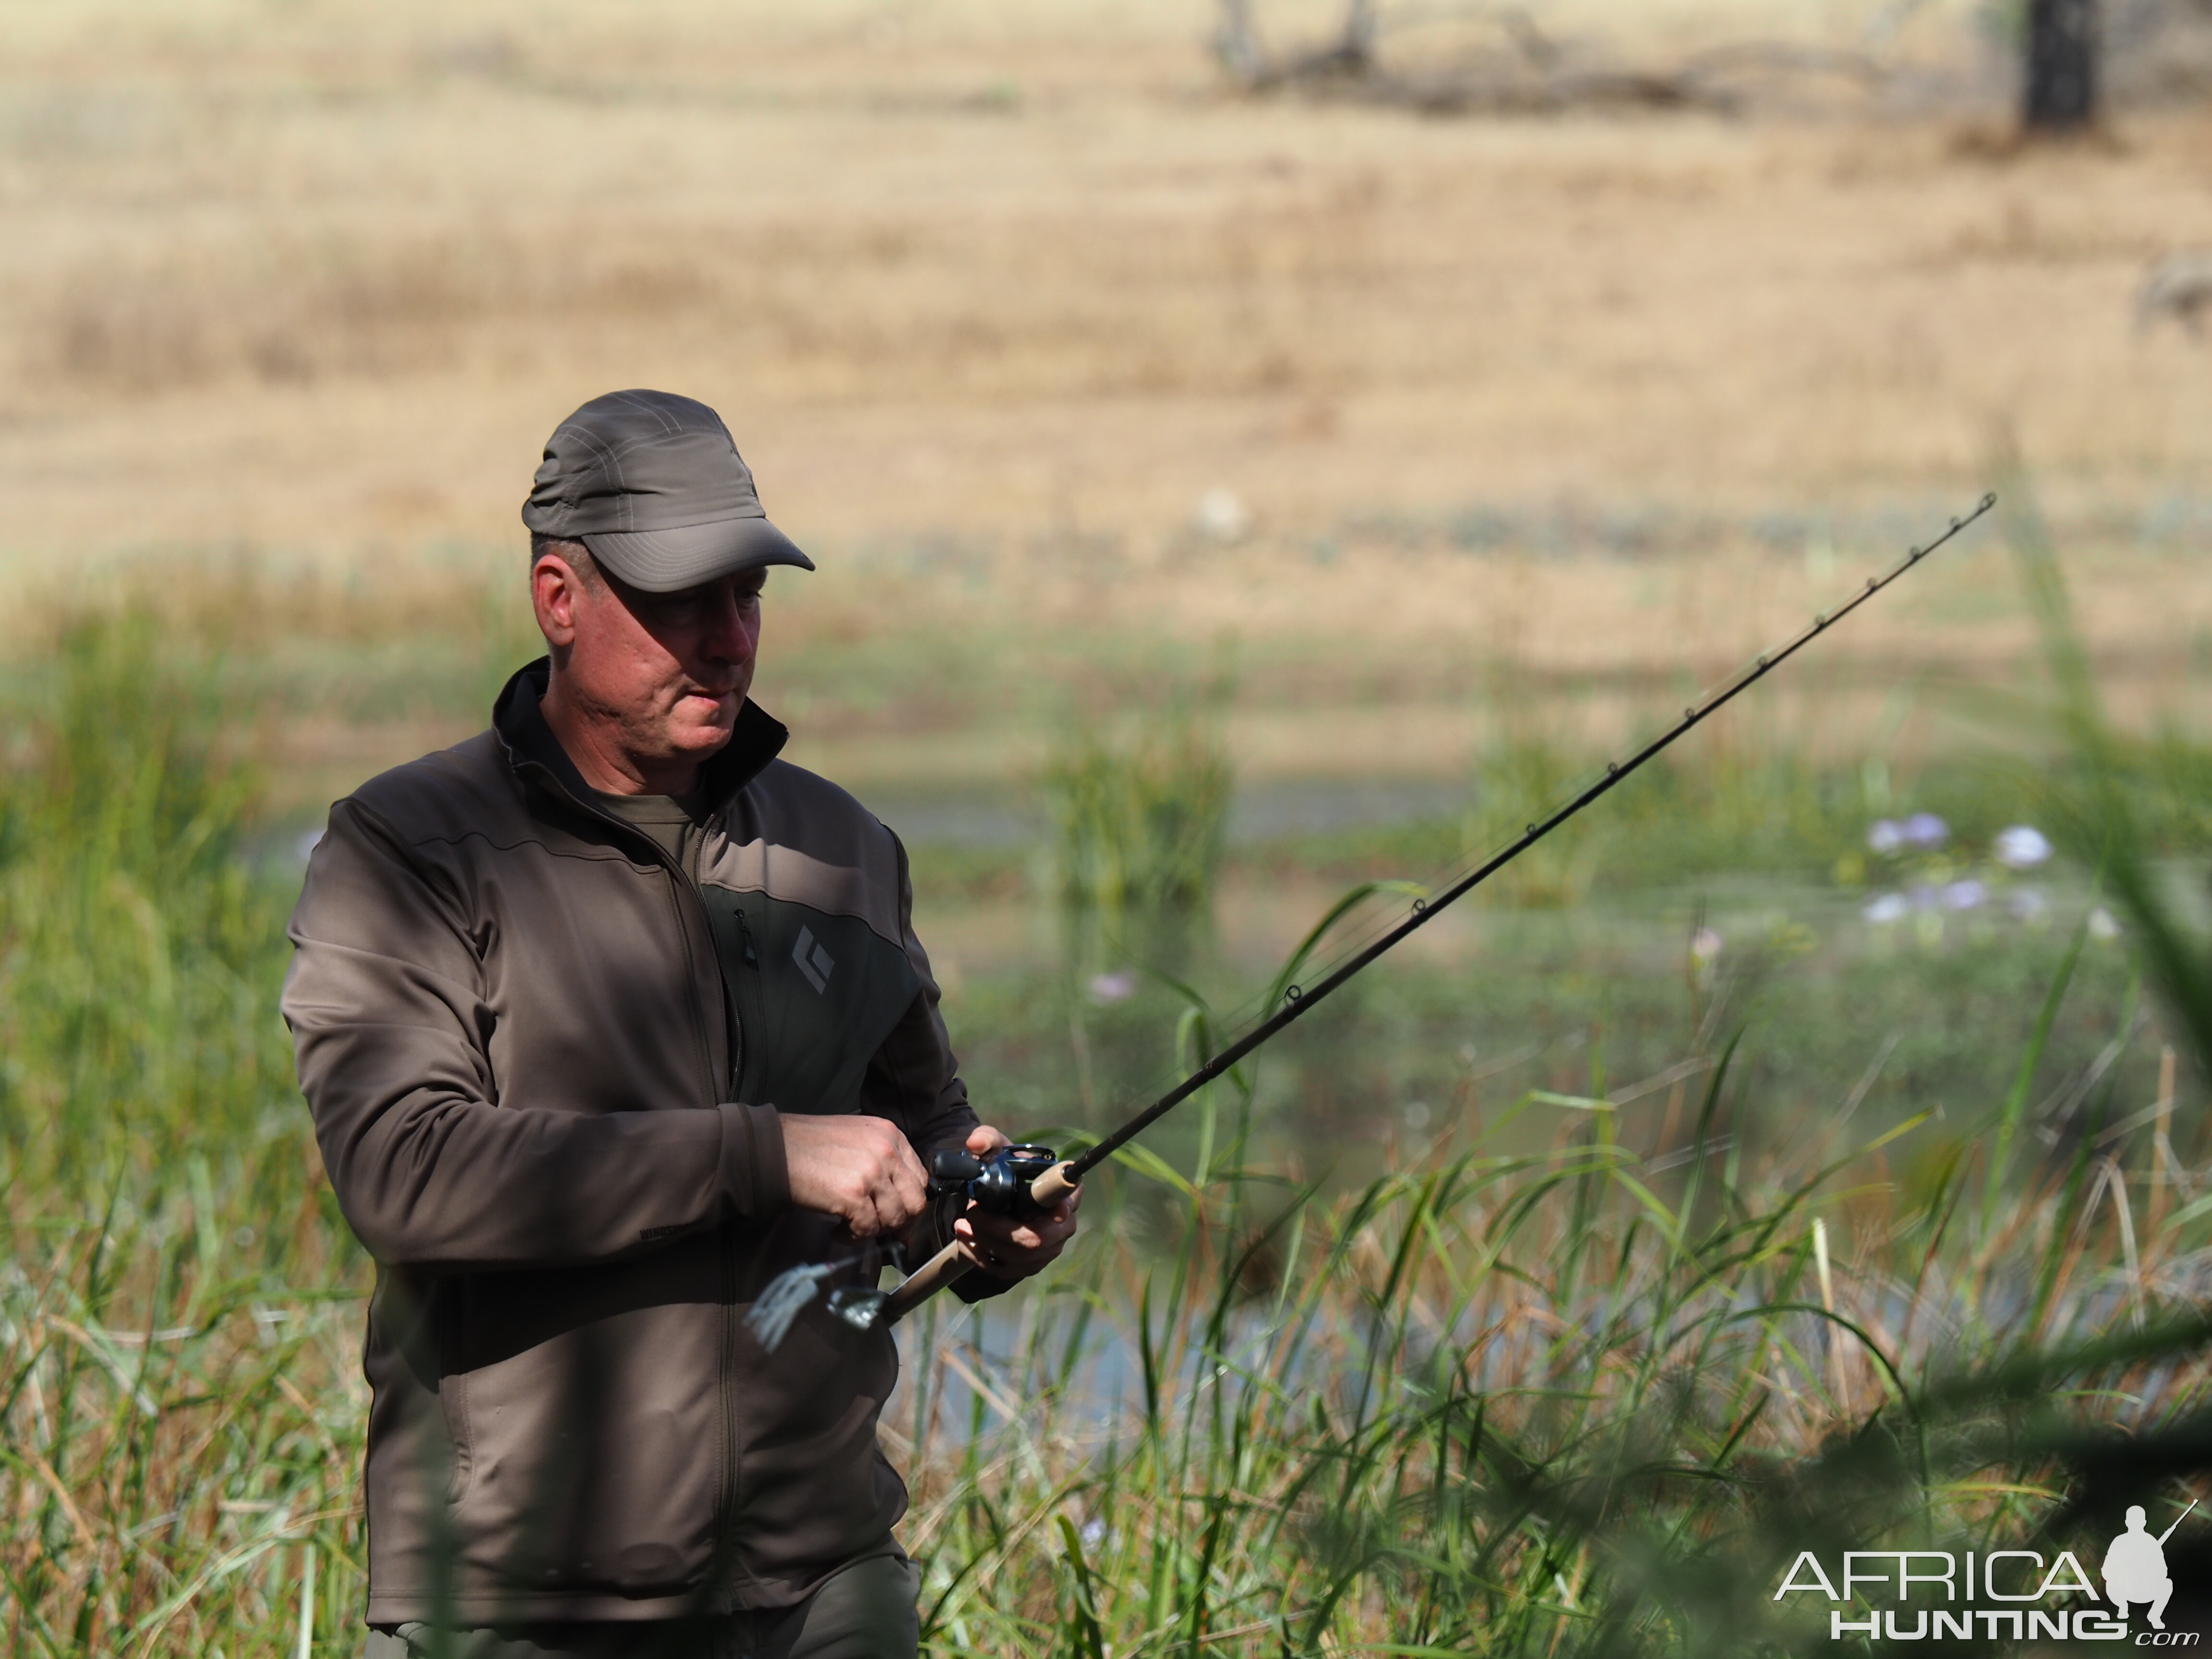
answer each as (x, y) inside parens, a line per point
(1574, 1360)
(178, 1297)
(1140, 817)
(1541, 1404)
(1596, 1397)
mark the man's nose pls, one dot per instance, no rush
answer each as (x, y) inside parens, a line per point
(728, 639)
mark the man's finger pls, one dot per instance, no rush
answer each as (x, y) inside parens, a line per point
(908, 1198)
(1015, 1248)
(1058, 1222)
(908, 1175)
(912, 1181)
(893, 1187)
(879, 1205)
(1060, 1217)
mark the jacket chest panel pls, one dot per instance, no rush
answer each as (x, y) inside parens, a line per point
(815, 994)
(594, 987)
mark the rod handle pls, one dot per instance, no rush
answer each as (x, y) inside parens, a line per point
(950, 1263)
(954, 1261)
(1054, 1184)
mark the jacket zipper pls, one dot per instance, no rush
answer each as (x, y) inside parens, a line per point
(699, 1025)
(724, 1548)
(747, 991)
(747, 1020)
(724, 1594)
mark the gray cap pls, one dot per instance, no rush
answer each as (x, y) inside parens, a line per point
(654, 485)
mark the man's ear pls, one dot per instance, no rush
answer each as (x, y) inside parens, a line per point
(556, 591)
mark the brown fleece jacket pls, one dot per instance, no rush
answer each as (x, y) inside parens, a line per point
(545, 1068)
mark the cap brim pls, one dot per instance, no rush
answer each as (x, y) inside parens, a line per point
(663, 561)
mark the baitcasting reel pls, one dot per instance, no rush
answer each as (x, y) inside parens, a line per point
(999, 1183)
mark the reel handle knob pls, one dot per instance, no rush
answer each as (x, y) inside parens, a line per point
(953, 1166)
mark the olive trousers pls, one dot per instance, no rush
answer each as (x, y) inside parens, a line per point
(865, 1611)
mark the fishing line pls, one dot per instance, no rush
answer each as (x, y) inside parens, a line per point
(1316, 983)
(1300, 999)
(1373, 928)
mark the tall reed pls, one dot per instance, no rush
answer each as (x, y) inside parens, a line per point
(1584, 1401)
(181, 1421)
(1140, 811)
(1595, 1400)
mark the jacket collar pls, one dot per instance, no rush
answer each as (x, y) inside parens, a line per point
(530, 746)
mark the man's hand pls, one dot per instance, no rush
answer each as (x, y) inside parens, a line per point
(858, 1169)
(1008, 1247)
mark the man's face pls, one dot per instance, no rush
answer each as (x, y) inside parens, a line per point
(665, 674)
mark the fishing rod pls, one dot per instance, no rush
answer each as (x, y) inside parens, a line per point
(1022, 1180)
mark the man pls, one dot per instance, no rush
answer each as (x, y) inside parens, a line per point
(607, 1017)
(2134, 1570)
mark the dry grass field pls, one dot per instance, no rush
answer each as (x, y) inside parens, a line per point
(993, 296)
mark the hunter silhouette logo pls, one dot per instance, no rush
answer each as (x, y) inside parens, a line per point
(2135, 1566)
